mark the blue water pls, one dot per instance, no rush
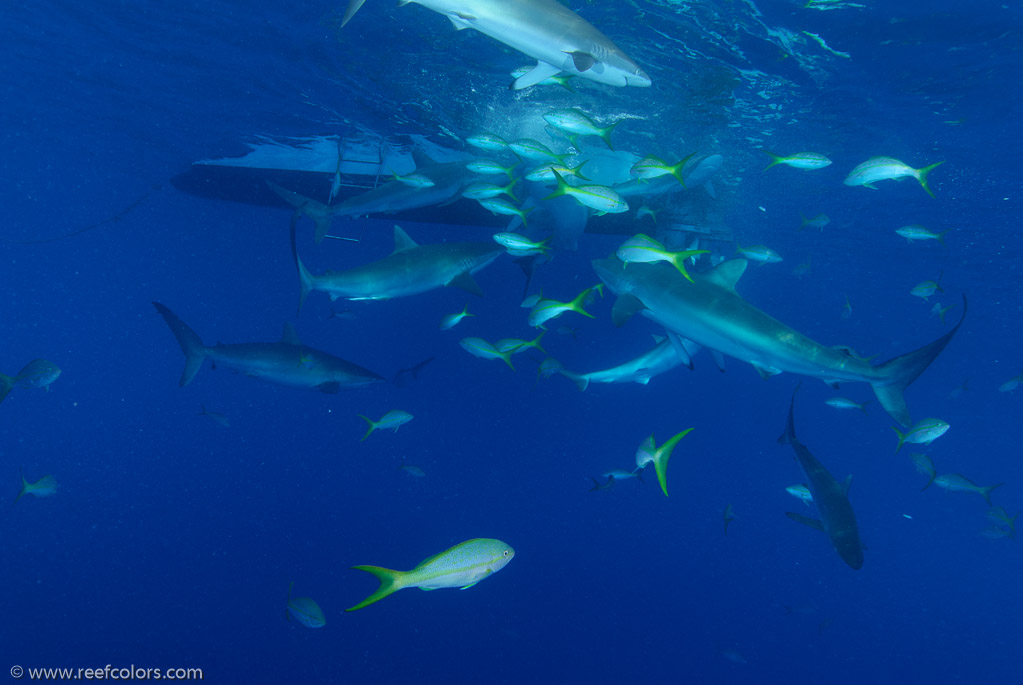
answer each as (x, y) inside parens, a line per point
(172, 540)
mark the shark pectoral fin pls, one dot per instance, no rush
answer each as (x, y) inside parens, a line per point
(831, 383)
(461, 20)
(465, 281)
(719, 360)
(540, 72)
(353, 7)
(623, 309)
(805, 520)
(765, 371)
(330, 387)
(680, 348)
(583, 61)
(709, 187)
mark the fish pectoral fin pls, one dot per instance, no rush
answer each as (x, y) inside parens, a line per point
(540, 72)
(805, 520)
(623, 309)
(465, 281)
(468, 586)
(428, 589)
(583, 61)
(330, 387)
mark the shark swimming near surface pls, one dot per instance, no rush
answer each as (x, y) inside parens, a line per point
(286, 362)
(829, 496)
(448, 179)
(409, 270)
(711, 313)
(552, 34)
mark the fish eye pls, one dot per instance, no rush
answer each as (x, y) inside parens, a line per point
(505, 552)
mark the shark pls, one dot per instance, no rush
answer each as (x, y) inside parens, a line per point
(286, 362)
(555, 36)
(654, 362)
(410, 270)
(448, 178)
(710, 313)
(829, 496)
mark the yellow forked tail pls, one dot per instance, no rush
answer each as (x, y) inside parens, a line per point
(390, 582)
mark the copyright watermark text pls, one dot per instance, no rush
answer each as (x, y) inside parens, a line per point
(108, 672)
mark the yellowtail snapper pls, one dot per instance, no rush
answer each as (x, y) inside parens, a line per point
(461, 566)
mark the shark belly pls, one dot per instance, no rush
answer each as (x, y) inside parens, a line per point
(724, 322)
(547, 31)
(832, 503)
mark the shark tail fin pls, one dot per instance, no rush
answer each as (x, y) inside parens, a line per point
(898, 373)
(986, 492)
(306, 280)
(6, 384)
(661, 457)
(191, 344)
(788, 437)
(390, 582)
(581, 382)
(322, 222)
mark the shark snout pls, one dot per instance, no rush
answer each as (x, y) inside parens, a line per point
(638, 79)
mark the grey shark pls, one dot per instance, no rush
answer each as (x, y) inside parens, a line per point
(410, 270)
(286, 362)
(654, 362)
(449, 179)
(829, 496)
(555, 36)
(711, 313)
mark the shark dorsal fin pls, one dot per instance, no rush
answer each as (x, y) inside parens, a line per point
(289, 336)
(402, 241)
(727, 274)
(421, 158)
(658, 339)
(623, 309)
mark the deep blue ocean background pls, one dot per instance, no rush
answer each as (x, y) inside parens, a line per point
(172, 540)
